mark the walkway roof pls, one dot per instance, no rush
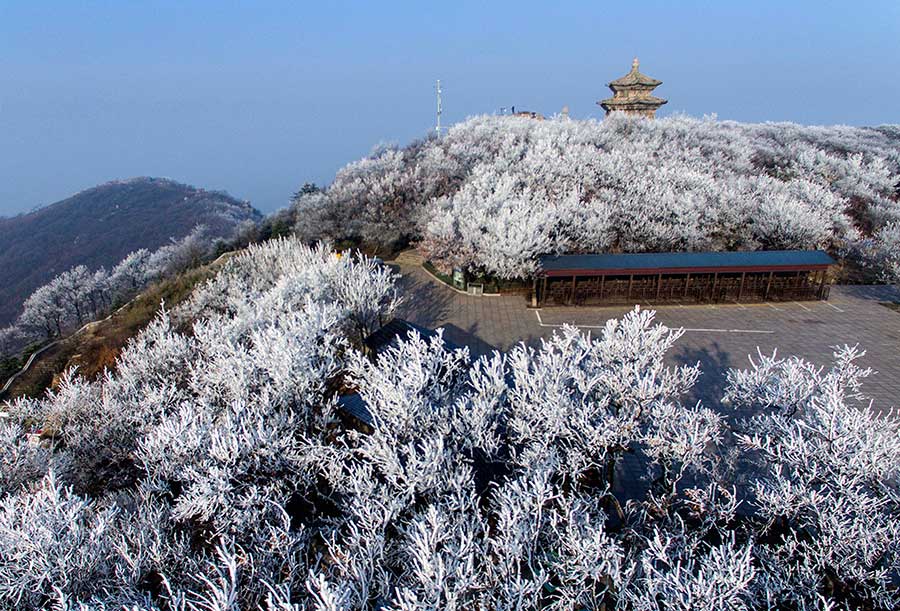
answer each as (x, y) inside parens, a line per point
(684, 262)
(354, 405)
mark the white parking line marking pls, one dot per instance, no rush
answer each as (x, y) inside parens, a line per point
(543, 324)
(773, 307)
(832, 306)
(802, 306)
(697, 330)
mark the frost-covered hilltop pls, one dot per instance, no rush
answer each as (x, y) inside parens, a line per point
(496, 191)
(98, 227)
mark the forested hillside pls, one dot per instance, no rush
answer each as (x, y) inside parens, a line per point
(100, 226)
(213, 471)
(497, 191)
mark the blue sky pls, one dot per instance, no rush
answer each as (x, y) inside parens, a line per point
(258, 97)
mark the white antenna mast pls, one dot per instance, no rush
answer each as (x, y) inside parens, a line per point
(437, 128)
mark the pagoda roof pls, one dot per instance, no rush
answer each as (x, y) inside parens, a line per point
(635, 77)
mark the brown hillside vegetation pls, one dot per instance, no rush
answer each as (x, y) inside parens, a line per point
(97, 345)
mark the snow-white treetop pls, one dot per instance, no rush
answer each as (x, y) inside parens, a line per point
(211, 471)
(495, 192)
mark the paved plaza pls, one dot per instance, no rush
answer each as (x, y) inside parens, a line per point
(719, 337)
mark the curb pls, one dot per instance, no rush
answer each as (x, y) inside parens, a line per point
(453, 288)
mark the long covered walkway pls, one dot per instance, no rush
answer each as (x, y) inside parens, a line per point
(714, 277)
(720, 336)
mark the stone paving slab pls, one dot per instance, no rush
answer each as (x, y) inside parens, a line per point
(719, 337)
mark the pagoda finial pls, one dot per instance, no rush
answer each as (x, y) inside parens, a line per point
(635, 64)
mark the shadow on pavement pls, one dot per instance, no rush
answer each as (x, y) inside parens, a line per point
(424, 302)
(871, 292)
(462, 337)
(714, 363)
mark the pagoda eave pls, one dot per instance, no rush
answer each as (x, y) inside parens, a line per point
(612, 103)
(634, 80)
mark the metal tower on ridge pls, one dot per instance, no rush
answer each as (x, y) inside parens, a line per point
(437, 128)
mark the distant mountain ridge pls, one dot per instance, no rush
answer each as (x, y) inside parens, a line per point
(99, 226)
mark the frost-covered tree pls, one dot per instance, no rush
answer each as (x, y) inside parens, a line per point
(179, 255)
(78, 295)
(11, 338)
(828, 494)
(495, 192)
(887, 251)
(213, 469)
(131, 273)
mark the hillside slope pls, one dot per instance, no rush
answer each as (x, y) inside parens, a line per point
(494, 193)
(96, 345)
(99, 226)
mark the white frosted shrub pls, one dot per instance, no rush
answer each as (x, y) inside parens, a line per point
(21, 461)
(495, 192)
(210, 470)
(586, 401)
(831, 474)
(291, 273)
(57, 546)
(224, 426)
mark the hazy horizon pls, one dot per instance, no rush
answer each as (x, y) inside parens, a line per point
(257, 99)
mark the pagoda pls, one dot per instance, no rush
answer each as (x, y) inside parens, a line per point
(632, 94)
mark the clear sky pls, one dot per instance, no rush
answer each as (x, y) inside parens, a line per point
(258, 97)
